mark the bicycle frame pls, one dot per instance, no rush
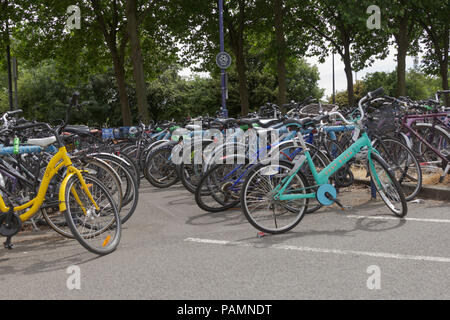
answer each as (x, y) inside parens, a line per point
(408, 126)
(322, 176)
(58, 161)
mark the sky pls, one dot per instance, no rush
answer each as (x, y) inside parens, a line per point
(325, 70)
(326, 76)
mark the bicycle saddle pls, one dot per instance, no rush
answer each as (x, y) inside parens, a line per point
(308, 121)
(77, 129)
(225, 121)
(261, 123)
(42, 142)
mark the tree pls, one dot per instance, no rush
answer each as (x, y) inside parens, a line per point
(105, 39)
(343, 24)
(433, 17)
(237, 16)
(197, 26)
(402, 24)
(359, 90)
(101, 40)
(281, 50)
(113, 27)
(418, 85)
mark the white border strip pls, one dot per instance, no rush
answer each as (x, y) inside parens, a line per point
(323, 250)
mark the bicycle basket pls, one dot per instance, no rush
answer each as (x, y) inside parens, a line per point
(382, 120)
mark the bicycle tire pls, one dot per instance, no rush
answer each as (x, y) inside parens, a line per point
(131, 193)
(254, 182)
(395, 153)
(165, 167)
(383, 185)
(104, 245)
(219, 188)
(56, 220)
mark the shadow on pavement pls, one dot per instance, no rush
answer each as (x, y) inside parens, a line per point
(37, 253)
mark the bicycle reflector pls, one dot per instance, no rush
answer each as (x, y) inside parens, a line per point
(106, 241)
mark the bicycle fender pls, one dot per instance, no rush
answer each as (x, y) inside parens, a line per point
(62, 190)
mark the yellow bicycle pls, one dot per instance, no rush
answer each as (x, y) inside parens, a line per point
(89, 209)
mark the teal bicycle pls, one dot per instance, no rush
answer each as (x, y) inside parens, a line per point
(275, 194)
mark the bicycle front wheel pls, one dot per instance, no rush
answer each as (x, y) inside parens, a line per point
(259, 207)
(387, 185)
(97, 230)
(403, 163)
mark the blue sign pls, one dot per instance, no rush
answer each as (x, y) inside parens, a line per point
(223, 60)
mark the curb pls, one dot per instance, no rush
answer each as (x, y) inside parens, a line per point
(427, 191)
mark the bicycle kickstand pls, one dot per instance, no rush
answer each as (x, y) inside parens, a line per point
(446, 171)
(335, 200)
(8, 244)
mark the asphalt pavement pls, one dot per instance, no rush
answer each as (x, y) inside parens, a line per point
(170, 249)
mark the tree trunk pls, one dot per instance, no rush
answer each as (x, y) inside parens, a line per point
(281, 52)
(444, 68)
(241, 70)
(444, 77)
(349, 74)
(402, 44)
(117, 55)
(237, 44)
(136, 58)
(119, 71)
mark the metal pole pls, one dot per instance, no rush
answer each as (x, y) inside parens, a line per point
(10, 90)
(8, 62)
(334, 85)
(15, 77)
(223, 73)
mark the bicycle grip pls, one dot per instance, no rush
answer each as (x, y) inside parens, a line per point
(13, 112)
(376, 93)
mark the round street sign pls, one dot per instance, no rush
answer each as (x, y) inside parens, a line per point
(223, 60)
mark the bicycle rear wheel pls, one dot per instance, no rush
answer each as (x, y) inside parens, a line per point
(159, 170)
(129, 184)
(433, 166)
(98, 231)
(219, 188)
(387, 185)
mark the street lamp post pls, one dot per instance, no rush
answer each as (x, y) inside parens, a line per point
(334, 85)
(8, 62)
(222, 72)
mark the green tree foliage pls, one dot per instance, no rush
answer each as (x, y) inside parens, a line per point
(341, 27)
(433, 15)
(172, 96)
(419, 86)
(44, 96)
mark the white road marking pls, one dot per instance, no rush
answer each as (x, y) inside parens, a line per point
(395, 218)
(323, 250)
